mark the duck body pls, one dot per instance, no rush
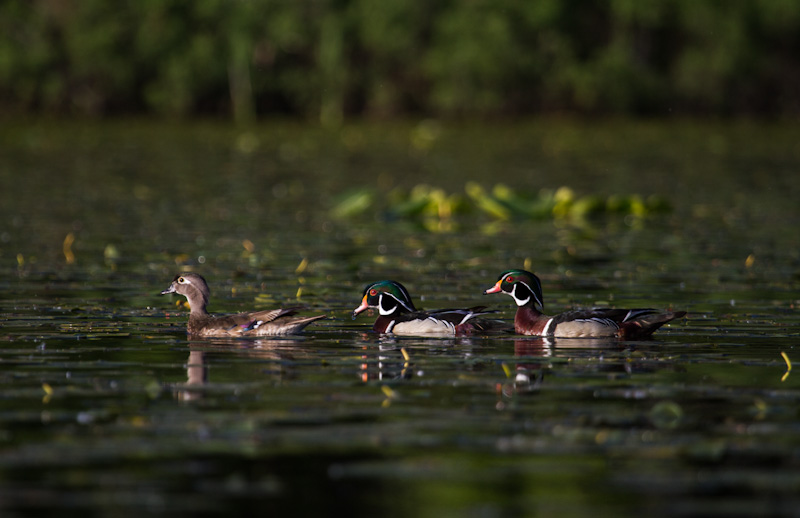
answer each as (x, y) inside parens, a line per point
(271, 322)
(447, 322)
(629, 324)
(397, 314)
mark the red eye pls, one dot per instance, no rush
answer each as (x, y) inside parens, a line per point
(373, 292)
(509, 279)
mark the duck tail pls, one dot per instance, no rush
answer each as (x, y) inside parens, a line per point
(645, 325)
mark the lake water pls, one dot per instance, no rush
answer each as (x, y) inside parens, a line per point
(108, 409)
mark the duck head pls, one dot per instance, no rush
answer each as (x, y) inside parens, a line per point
(389, 297)
(523, 286)
(193, 287)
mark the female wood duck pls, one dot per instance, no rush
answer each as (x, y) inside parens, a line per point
(271, 322)
(398, 315)
(526, 290)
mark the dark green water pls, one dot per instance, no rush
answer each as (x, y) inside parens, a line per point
(107, 408)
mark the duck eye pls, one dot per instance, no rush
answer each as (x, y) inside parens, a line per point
(509, 279)
(373, 292)
(181, 280)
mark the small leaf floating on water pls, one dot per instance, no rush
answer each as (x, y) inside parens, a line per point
(353, 203)
(759, 409)
(788, 366)
(506, 369)
(111, 253)
(390, 395)
(48, 393)
(750, 261)
(111, 256)
(527, 264)
(406, 364)
(301, 267)
(69, 256)
(153, 389)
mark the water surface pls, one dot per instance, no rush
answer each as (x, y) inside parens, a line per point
(107, 408)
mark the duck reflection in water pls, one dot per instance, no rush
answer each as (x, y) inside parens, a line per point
(279, 350)
(393, 358)
(588, 356)
(529, 375)
(387, 363)
(196, 377)
(602, 355)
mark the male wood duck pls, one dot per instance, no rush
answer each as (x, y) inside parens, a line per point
(397, 314)
(271, 322)
(526, 290)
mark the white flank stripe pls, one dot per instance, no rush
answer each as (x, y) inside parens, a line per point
(547, 327)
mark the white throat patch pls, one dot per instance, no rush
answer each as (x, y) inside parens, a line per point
(520, 302)
(383, 311)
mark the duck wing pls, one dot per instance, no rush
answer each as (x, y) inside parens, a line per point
(606, 316)
(242, 322)
(457, 316)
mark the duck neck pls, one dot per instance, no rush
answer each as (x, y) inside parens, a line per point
(528, 313)
(197, 306)
(529, 320)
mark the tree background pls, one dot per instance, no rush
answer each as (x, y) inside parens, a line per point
(332, 60)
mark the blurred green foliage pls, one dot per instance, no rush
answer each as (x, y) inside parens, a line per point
(436, 209)
(333, 59)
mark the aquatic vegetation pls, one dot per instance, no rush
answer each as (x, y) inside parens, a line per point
(353, 203)
(437, 209)
(788, 366)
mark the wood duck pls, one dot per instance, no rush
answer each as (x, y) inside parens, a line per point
(526, 290)
(398, 315)
(271, 322)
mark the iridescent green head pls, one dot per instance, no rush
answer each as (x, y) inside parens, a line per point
(389, 297)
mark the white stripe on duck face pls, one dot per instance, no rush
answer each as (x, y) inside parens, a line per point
(531, 293)
(520, 302)
(382, 309)
(386, 310)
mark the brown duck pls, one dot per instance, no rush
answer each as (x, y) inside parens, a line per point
(271, 322)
